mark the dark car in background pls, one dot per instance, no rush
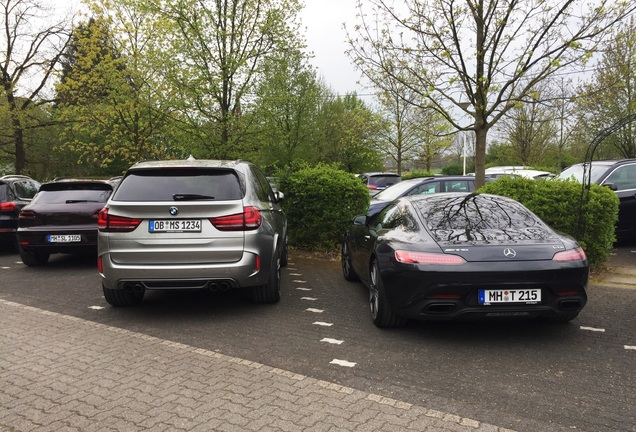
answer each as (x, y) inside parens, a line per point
(618, 175)
(420, 186)
(378, 181)
(463, 255)
(192, 224)
(62, 218)
(16, 191)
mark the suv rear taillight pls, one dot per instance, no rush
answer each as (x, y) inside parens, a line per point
(111, 223)
(250, 219)
(27, 214)
(8, 206)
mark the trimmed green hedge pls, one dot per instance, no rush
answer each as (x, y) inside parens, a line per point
(320, 203)
(588, 216)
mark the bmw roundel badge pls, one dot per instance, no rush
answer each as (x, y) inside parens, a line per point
(174, 211)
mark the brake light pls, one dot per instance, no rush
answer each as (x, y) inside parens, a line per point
(111, 223)
(27, 214)
(570, 255)
(250, 219)
(8, 206)
(410, 257)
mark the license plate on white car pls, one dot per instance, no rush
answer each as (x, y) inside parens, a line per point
(526, 296)
(64, 238)
(169, 225)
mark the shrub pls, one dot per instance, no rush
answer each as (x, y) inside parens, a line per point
(416, 174)
(567, 206)
(320, 203)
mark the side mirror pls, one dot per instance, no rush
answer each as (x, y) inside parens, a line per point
(280, 197)
(612, 186)
(360, 220)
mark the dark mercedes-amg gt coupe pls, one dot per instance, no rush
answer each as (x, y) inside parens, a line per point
(463, 255)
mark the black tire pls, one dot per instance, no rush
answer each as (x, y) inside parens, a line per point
(284, 256)
(347, 269)
(269, 292)
(381, 313)
(34, 258)
(116, 297)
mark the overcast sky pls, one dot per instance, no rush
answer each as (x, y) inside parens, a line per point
(325, 35)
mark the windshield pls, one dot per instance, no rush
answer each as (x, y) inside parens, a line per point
(576, 172)
(394, 192)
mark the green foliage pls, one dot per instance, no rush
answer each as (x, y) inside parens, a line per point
(416, 174)
(588, 216)
(320, 202)
(457, 169)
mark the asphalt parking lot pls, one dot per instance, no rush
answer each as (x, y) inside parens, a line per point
(312, 362)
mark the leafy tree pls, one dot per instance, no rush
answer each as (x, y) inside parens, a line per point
(349, 134)
(285, 109)
(530, 130)
(611, 96)
(112, 96)
(30, 50)
(214, 53)
(479, 58)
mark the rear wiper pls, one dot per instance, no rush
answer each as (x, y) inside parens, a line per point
(191, 197)
(79, 201)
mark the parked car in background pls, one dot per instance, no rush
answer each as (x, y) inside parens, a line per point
(378, 181)
(493, 173)
(192, 224)
(16, 191)
(62, 218)
(463, 255)
(618, 175)
(420, 186)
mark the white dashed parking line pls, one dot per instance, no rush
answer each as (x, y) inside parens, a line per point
(342, 363)
(332, 341)
(630, 347)
(593, 329)
(309, 298)
(324, 324)
(96, 307)
(314, 310)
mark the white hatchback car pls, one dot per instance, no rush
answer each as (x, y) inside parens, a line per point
(192, 224)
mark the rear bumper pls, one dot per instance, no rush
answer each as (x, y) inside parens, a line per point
(240, 274)
(454, 295)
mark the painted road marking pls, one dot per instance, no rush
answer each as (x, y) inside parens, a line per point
(593, 329)
(299, 281)
(331, 341)
(342, 363)
(630, 347)
(295, 274)
(314, 310)
(96, 307)
(303, 289)
(309, 298)
(324, 324)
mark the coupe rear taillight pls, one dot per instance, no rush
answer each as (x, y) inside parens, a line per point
(250, 219)
(111, 223)
(8, 206)
(570, 255)
(27, 214)
(409, 257)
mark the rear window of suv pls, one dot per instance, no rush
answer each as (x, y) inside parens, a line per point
(176, 184)
(68, 193)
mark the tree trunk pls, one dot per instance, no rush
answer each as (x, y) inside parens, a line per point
(480, 156)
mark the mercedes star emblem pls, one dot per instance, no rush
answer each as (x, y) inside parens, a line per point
(510, 253)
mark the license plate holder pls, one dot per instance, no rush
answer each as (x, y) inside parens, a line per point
(489, 297)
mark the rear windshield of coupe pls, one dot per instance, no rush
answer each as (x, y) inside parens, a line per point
(176, 184)
(69, 193)
(480, 216)
(384, 180)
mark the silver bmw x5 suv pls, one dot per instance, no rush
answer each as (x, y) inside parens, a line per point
(192, 224)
